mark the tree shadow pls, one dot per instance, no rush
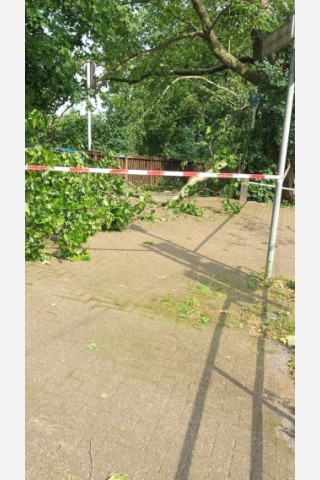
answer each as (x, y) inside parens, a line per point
(236, 281)
(201, 268)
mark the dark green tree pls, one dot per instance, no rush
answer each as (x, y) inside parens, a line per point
(177, 74)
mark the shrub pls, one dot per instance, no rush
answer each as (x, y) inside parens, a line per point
(63, 209)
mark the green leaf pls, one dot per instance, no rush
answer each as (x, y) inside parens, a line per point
(117, 476)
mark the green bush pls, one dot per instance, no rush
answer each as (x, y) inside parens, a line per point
(64, 209)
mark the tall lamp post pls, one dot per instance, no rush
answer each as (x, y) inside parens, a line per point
(90, 83)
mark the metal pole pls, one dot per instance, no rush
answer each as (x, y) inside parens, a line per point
(254, 112)
(88, 106)
(281, 167)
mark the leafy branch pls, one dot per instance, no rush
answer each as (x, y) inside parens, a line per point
(173, 73)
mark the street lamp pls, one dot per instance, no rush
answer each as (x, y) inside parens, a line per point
(91, 82)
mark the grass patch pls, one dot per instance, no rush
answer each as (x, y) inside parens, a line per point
(279, 324)
(291, 364)
(253, 281)
(117, 476)
(275, 318)
(199, 306)
(202, 289)
(272, 315)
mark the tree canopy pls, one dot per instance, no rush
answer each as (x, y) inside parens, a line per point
(177, 76)
(139, 41)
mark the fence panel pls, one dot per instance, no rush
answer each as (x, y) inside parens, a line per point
(142, 162)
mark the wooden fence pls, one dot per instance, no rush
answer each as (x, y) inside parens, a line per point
(142, 162)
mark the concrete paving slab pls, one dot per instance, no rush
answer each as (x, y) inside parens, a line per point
(157, 399)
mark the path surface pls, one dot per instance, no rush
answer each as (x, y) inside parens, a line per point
(157, 399)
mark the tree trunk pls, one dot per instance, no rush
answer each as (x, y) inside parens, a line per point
(219, 51)
(184, 192)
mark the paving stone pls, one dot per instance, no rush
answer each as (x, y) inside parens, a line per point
(157, 399)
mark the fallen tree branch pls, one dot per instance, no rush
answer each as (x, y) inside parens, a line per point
(184, 192)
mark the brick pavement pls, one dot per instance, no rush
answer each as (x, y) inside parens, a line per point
(157, 399)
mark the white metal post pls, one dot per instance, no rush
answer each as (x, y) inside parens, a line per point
(253, 119)
(88, 106)
(281, 167)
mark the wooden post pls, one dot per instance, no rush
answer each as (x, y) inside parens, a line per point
(244, 191)
(126, 167)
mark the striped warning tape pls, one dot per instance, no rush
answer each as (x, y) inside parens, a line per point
(270, 186)
(162, 173)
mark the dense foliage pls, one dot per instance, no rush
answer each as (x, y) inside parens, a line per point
(176, 80)
(64, 209)
(193, 122)
(110, 131)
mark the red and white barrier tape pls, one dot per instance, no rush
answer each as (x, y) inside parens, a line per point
(274, 186)
(270, 186)
(162, 173)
